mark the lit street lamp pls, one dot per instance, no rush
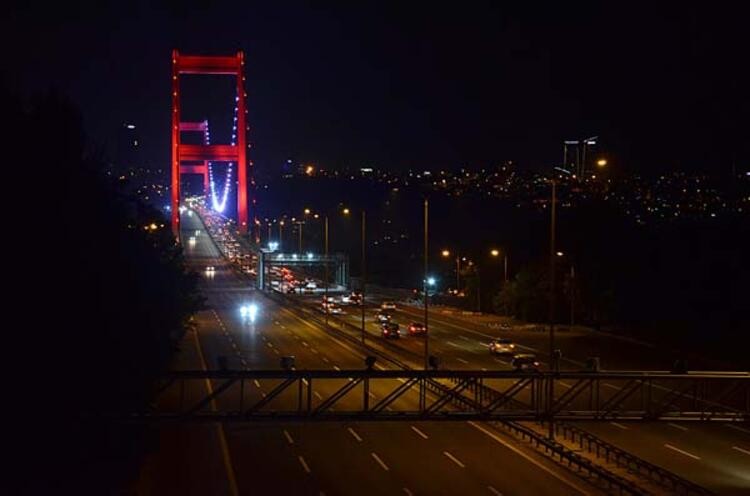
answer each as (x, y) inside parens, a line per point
(496, 253)
(446, 254)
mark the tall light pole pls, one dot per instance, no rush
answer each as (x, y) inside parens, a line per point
(572, 295)
(426, 311)
(364, 275)
(281, 225)
(325, 264)
(496, 253)
(552, 254)
(446, 254)
(299, 223)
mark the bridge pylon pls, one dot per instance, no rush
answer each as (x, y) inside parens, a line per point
(233, 65)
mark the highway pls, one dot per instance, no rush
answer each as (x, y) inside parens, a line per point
(713, 455)
(352, 458)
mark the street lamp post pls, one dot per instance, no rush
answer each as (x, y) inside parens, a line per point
(281, 225)
(552, 298)
(364, 275)
(325, 264)
(426, 311)
(447, 253)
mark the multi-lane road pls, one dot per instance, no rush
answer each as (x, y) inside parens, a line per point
(399, 458)
(714, 455)
(342, 458)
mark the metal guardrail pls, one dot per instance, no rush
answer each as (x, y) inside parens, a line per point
(622, 458)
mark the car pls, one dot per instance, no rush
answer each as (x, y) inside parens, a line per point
(417, 329)
(346, 299)
(525, 362)
(502, 346)
(388, 305)
(390, 330)
(336, 310)
(382, 317)
(311, 285)
(210, 268)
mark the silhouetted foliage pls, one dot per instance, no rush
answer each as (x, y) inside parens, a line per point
(105, 302)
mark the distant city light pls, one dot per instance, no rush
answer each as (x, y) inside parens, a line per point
(431, 281)
(495, 253)
(309, 256)
(130, 126)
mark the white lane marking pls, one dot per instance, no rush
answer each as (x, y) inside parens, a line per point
(379, 367)
(501, 361)
(564, 384)
(741, 450)
(737, 427)
(611, 386)
(380, 462)
(454, 459)
(354, 434)
(304, 381)
(462, 360)
(314, 350)
(494, 491)
(257, 384)
(283, 327)
(464, 337)
(422, 434)
(304, 343)
(407, 492)
(279, 323)
(484, 369)
(451, 343)
(677, 426)
(371, 394)
(276, 351)
(525, 456)
(683, 452)
(326, 360)
(288, 437)
(400, 379)
(317, 395)
(304, 464)
(619, 426)
(269, 344)
(336, 367)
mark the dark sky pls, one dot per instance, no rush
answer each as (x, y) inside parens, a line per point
(413, 84)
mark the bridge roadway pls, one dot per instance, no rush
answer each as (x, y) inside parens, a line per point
(345, 458)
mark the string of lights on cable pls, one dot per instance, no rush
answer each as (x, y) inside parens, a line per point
(220, 205)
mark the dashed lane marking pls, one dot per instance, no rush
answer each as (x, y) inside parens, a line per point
(288, 437)
(380, 462)
(619, 426)
(454, 459)
(682, 452)
(677, 426)
(354, 434)
(304, 464)
(420, 433)
(741, 450)
(466, 362)
(317, 395)
(257, 384)
(494, 491)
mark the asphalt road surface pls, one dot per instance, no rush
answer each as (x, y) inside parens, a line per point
(344, 458)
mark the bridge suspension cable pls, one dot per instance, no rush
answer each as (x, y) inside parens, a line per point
(220, 204)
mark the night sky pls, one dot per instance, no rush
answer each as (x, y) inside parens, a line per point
(467, 83)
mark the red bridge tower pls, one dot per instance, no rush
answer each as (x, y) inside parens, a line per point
(199, 64)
